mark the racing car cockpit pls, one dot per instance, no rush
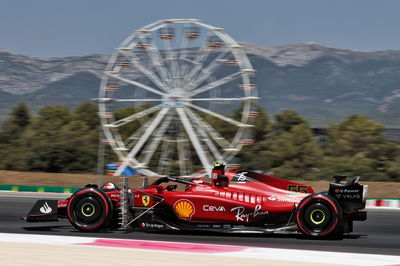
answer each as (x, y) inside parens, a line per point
(171, 187)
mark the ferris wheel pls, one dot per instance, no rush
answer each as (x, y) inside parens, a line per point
(177, 95)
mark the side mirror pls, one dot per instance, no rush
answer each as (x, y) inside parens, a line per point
(159, 189)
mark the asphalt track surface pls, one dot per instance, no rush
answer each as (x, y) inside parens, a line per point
(380, 234)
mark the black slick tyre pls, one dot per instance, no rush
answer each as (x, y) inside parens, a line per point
(319, 215)
(89, 210)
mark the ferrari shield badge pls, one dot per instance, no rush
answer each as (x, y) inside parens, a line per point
(145, 200)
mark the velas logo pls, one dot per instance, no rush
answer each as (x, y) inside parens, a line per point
(184, 209)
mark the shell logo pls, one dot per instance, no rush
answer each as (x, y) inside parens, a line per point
(184, 209)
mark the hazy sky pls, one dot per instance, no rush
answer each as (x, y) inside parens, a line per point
(55, 28)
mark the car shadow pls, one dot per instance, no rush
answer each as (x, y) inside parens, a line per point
(44, 228)
(293, 235)
(290, 235)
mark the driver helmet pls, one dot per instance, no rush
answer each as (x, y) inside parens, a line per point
(108, 186)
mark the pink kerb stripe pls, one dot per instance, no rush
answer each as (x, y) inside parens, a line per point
(166, 246)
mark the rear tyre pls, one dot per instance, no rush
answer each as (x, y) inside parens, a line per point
(89, 210)
(319, 215)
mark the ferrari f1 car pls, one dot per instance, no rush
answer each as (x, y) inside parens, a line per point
(234, 201)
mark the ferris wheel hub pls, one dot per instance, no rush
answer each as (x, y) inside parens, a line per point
(173, 101)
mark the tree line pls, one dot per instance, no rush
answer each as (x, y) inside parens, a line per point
(59, 139)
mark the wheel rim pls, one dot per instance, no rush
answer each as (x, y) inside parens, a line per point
(88, 209)
(317, 216)
(179, 79)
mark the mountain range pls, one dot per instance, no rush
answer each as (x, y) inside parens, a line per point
(323, 84)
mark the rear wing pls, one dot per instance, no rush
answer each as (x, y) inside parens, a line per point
(351, 195)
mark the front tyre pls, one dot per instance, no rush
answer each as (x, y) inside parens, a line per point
(319, 215)
(89, 210)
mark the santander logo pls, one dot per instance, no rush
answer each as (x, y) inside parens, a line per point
(45, 208)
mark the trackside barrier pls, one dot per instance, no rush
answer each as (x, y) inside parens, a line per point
(382, 202)
(22, 188)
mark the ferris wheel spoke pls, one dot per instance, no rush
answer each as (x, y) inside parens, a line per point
(169, 60)
(194, 139)
(157, 60)
(198, 63)
(184, 157)
(182, 56)
(183, 48)
(138, 100)
(137, 84)
(133, 117)
(175, 72)
(205, 137)
(156, 121)
(152, 147)
(217, 115)
(219, 99)
(164, 164)
(150, 74)
(207, 71)
(220, 140)
(133, 138)
(215, 83)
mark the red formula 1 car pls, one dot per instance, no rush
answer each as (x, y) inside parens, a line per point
(233, 202)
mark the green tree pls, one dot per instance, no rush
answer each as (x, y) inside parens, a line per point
(356, 135)
(51, 119)
(293, 153)
(357, 146)
(251, 156)
(87, 112)
(288, 148)
(57, 140)
(17, 122)
(12, 153)
(284, 121)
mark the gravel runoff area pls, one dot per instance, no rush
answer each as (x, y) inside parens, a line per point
(376, 189)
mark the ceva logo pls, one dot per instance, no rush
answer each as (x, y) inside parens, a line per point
(210, 208)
